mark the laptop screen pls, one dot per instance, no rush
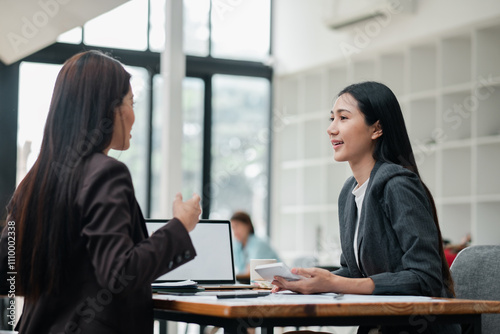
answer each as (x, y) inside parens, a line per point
(214, 253)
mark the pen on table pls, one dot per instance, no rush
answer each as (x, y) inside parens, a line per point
(252, 295)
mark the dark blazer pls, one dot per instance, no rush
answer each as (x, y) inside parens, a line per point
(398, 239)
(109, 290)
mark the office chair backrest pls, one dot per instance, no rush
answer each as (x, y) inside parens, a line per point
(476, 272)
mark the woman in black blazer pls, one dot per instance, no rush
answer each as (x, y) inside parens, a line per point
(390, 237)
(83, 258)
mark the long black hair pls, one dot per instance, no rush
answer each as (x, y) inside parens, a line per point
(80, 122)
(378, 103)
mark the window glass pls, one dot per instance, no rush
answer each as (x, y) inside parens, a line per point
(196, 31)
(192, 140)
(36, 83)
(136, 156)
(157, 25)
(73, 36)
(156, 162)
(124, 27)
(241, 29)
(240, 147)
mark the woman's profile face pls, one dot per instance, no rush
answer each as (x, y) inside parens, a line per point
(352, 139)
(124, 119)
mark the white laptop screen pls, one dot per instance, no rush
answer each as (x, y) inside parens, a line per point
(214, 253)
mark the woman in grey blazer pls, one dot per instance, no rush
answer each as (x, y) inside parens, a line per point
(83, 258)
(389, 231)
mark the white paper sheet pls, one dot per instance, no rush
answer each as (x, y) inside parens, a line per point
(179, 284)
(287, 298)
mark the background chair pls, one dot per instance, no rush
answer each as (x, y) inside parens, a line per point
(476, 272)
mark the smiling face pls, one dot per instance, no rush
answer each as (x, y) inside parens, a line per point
(124, 119)
(352, 139)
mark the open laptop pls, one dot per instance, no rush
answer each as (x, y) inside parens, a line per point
(213, 266)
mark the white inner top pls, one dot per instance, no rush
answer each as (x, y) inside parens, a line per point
(359, 193)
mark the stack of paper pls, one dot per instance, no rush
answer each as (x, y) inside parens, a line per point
(180, 286)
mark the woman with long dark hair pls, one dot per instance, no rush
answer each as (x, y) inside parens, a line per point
(389, 231)
(83, 260)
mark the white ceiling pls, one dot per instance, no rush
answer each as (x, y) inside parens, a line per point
(27, 26)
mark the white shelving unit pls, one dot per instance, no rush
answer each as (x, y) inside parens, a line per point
(449, 89)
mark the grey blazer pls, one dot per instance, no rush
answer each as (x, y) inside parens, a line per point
(398, 239)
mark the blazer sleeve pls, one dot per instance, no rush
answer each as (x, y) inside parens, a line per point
(343, 270)
(408, 209)
(105, 201)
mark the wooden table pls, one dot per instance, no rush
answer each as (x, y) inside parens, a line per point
(236, 315)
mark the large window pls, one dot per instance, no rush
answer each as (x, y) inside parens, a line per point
(240, 146)
(196, 27)
(226, 99)
(125, 27)
(228, 29)
(192, 144)
(235, 95)
(241, 29)
(35, 91)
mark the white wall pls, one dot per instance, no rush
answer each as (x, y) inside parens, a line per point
(302, 39)
(434, 59)
(29, 26)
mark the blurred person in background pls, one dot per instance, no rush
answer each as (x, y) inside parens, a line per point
(247, 245)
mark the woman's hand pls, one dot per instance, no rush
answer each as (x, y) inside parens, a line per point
(187, 212)
(316, 281)
(320, 280)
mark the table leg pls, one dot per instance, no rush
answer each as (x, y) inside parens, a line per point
(235, 329)
(474, 327)
(477, 325)
(267, 330)
(163, 326)
(244, 330)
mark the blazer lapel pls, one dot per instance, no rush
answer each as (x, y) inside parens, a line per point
(361, 234)
(362, 221)
(350, 217)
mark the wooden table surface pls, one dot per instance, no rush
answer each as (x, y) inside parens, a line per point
(335, 309)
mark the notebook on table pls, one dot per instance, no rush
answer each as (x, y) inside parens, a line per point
(213, 266)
